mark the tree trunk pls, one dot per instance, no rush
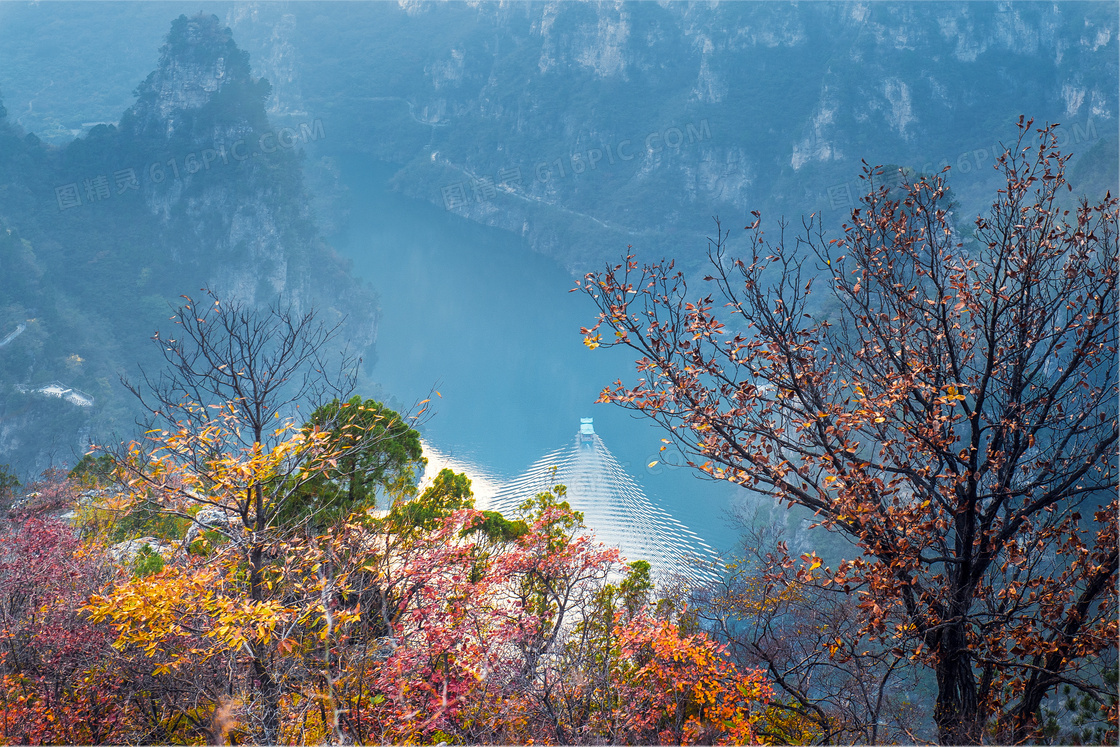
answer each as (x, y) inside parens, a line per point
(270, 690)
(270, 697)
(956, 714)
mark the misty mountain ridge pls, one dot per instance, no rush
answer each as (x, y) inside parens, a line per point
(192, 188)
(581, 127)
(513, 114)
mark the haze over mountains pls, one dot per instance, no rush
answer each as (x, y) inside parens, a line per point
(580, 128)
(783, 101)
(99, 233)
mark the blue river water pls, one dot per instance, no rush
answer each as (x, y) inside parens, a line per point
(471, 312)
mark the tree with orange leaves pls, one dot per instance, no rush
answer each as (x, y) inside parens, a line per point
(956, 417)
(680, 689)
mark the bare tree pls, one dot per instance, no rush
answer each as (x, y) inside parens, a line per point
(264, 364)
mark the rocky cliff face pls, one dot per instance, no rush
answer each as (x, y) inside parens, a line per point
(794, 95)
(193, 187)
(199, 62)
(515, 114)
(224, 184)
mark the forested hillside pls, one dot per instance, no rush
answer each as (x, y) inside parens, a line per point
(190, 188)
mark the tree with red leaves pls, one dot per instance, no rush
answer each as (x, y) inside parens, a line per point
(54, 663)
(956, 417)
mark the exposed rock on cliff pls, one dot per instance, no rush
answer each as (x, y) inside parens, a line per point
(225, 185)
(789, 97)
(193, 187)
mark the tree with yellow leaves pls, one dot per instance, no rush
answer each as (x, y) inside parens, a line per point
(224, 448)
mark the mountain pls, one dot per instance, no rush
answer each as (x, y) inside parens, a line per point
(584, 127)
(192, 187)
(590, 126)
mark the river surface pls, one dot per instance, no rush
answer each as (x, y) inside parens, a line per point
(471, 312)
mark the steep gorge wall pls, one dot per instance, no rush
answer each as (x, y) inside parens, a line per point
(507, 104)
(514, 114)
(193, 187)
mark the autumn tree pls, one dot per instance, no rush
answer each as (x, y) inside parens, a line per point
(681, 689)
(955, 415)
(224, 436)
(503, 638)
(834, 683)
(434, 622)
(58, 684)
(559, 572)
